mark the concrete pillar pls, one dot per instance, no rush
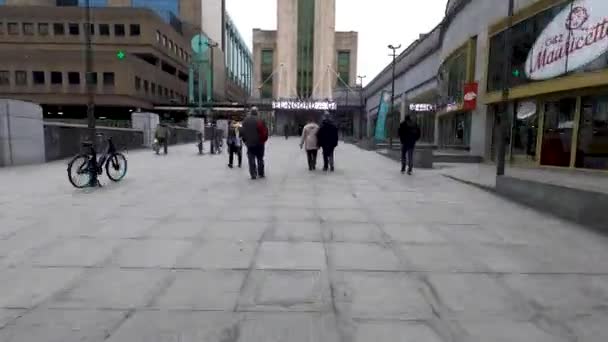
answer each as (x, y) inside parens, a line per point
(287, 48)
(479, 136)
(324, 49)
(147, 123)
(21, 133)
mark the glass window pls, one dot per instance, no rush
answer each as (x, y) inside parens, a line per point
(92, 78)
(59, 29)
(145, 86)
(108, 78)
(137, 83)
(158, 35)
(592, 149)
(13, 28)
(38, 77)
(166, 92)
(153, 88)
(28, 29)
(557, 132)
(524, 129)
(66, 3)
(267, 69)
(170, 44)
(4, 77)
(73, 77)
(343, 67)
(90, 27)
(21, 77)
(73, 29)
(56, 77)
(104, 29)
(164, 40)
(119, 30)
(43, 29)
(134, 30)
(1, 28)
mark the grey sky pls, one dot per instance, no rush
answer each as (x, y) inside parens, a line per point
(379, 23)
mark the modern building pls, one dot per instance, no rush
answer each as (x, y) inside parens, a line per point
(305, 60)
(556, 103)
(141, 55)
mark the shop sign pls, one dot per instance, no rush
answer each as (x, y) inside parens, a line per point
(577, 36)
(304, 105)
(422, 107)
(470, 96)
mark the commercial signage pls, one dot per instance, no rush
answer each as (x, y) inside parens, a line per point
(577, 36)
(304, 105)
(470, 96)
(385, 99)
(422, 107)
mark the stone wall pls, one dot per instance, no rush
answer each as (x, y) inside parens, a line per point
(21, 135)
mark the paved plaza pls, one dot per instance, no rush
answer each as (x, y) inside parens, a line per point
(185, 249)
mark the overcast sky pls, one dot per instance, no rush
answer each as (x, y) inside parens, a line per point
(379, 23)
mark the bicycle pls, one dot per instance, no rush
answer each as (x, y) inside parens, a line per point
(84, 168)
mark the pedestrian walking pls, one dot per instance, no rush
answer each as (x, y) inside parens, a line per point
(255, 134)
(328, 140)
(162, 136)
(409, 133)
(234, 143)
(286, 131)
(310, 143)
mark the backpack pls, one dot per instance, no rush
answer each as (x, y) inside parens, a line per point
(262, 131)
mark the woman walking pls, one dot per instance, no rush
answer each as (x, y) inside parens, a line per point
(309, 142)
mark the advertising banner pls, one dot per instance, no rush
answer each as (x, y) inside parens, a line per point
(385, 99)
(470, 96)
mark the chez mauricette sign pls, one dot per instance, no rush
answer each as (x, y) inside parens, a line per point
(577, 36)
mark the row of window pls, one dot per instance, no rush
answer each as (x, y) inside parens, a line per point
(154, 89)
(172, 46)
(72, 29)
(54, 78)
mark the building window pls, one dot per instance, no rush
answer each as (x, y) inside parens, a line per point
(343, 68)
(170, 44)
(137, 83)
(13, 28)
(164, 40)
(56, 77)
(592, 151)
(158, 36)
(73, 29)
(558, 132)
(171, 94)
(21, 77)
(119, 30)
(146, 86)
(108, 78)
(1, 28)
(92, 78)
(153, 88)
(59, 29)
(134, 30)
(91, 28)
(104, 29)
(166, 92)
(43, 29)
(4, 77)
(28, 29)
(38, 77)
(73, 77)
(64, 3)
(267, 69)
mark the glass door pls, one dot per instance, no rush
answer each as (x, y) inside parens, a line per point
(558, 126)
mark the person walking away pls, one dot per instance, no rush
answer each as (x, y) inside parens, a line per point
(255, 134)
(234, 144)
(328, 140)
(162, 135)
(286, 131)
(409, 133)
(310, 143)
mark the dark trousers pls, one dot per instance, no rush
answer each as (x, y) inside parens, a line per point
(407, 157)
(232, 150)
(162, 142)
(328, 158)
(255, 157)
(311, 155)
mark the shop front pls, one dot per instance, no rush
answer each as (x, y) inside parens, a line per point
(557, 105)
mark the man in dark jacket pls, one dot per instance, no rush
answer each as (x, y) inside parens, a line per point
(409, 133)
(328, 140)
(250, 132)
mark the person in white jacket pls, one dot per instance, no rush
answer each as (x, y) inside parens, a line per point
(310, 143)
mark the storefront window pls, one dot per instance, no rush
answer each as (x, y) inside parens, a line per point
(455, 131)
(452, 77)
(557, 132)
(524, 129)
(592, 150)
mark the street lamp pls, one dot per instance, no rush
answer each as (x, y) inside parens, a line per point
(362, 111)
(390, 134)
(502, 146)
(88, 71)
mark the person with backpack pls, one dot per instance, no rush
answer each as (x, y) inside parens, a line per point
(310, 143)
(255, 135)
(409, 133)
(328, 140)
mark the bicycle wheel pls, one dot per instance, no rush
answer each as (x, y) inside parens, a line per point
(78, 171)
(116, 167)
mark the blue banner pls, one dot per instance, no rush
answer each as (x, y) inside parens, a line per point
(383, 108)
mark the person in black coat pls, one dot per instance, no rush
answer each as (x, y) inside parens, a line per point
(409, 133)
(328, 140)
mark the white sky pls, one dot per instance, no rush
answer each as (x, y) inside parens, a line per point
(379, 23)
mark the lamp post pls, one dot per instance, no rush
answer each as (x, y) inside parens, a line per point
(502, 146)
(88, 71)
(390, 130)
(362, 106)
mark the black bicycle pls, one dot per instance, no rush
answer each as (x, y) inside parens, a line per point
(84, 168)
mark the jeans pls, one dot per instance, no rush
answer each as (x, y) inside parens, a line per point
(232, 150)
(162, 142)
(328, 158)
(407, 157)
(255, 157)
(311, 155)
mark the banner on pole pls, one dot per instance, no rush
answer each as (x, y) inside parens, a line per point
(383, 108)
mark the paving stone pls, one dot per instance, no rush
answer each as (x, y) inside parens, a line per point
(414, 233)
(151, 253)
(220, 255)
(291, 255)
(365, 257)
(344, 215)
(505, 330)
(439, 258)
(296, 231)
(246, 230)
(292, 327)
(176, 229)
(75, 252)
(394, 331)
(27, 287)
(352, 232)
(6, 315)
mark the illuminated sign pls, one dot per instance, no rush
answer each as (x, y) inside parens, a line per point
(577, 36)
(304, 105)
(422, 107)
